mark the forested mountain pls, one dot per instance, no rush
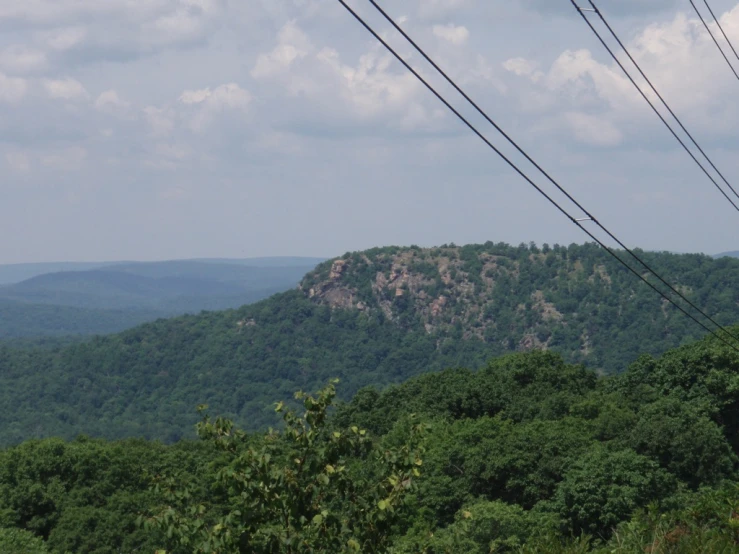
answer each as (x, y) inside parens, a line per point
(370, 318)
(118, 296)
(527, 455)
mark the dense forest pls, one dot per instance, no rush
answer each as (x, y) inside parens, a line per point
(528, 454)
(370, 318)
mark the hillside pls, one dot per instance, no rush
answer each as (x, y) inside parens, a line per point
(526, 455)
(371, 318)
(118, 296)
(576, 300)
(22, 320)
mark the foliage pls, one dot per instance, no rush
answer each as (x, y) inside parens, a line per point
(18, 541)
(529, 454)
(296, 492)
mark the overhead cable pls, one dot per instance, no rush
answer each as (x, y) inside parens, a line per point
(664, 102)
(573, 219)
(654, 108)
(513, 143)
(713, 15)
(705, 24)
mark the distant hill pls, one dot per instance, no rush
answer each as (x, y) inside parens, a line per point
(734, 254)
(371, 318)
(117, 296)
(15, 273)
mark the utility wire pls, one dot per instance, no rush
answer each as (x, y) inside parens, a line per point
(664, 102)
(531, 182)
(714, 38)
(537, 166)
(651, 105)
(721, 28)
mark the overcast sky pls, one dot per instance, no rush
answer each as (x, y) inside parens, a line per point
(163, 129)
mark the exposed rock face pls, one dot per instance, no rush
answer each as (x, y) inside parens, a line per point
(443, 288)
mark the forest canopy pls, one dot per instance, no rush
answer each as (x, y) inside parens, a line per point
(527, 454)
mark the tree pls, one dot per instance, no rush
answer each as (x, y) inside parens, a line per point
(307, 488)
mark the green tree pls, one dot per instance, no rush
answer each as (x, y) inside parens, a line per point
(307, 488)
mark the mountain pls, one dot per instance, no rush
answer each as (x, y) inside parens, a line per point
(734, 254)
(15, 273)
(120, 295)
(370, 318)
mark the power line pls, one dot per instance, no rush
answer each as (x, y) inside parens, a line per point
(713, 37)
(536, 165)
(513, 166)
(721, 28)
(664, 102)
(654, 108)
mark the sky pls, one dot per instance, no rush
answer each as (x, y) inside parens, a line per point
(166, 129)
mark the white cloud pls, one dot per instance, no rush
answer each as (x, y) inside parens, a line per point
(12, 89)
(679, 58)
(18, 58)
(523, 68)
(64, 38)
(195, 96)
(373, 92)
(370, 87)
(85, 31)
(208, 103)
(452, 33)
(110, 101)
(65, 89)
(230, 96)
(593, 130)
(292, 45)
(161, 120)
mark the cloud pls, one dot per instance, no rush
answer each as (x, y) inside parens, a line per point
(109, 101)
(65, 89)
(18, 58)
(523, 68)
(161, 121)
(593, 130)
(622, 7)
(79, 32)
(679, 58)
(292, 45)
(373, 91)
(451, 33)
(12, 89)
(64, 38)
(208, 103)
